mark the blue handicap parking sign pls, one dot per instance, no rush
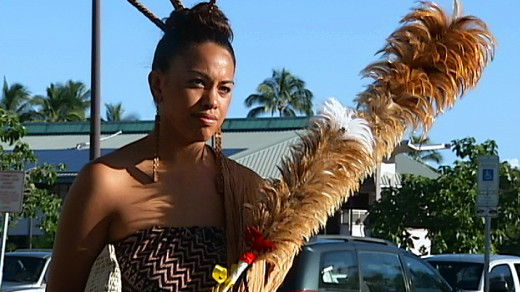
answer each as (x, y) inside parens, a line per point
(487, 175)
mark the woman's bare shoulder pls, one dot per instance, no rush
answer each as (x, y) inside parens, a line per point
(98, 175)
(104, 177)
(111, 170)
(84, 223)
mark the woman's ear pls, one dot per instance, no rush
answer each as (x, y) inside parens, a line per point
(154, 81)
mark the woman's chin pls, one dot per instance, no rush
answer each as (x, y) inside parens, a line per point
(204, 135)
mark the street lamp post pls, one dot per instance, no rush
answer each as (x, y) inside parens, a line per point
(95, 102)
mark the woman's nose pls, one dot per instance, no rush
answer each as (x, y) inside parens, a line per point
(211, 98)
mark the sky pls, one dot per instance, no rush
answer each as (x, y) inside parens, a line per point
(326, 43)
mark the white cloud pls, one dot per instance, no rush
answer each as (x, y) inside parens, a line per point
(514, 162)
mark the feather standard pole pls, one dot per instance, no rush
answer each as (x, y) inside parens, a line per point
(429, 62)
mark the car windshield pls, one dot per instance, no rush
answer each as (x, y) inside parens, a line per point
(460, 275)
(22, 268)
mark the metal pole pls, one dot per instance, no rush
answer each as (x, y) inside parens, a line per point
(95, 102)
(486, 255)
(30, 232)
(2, 251)
(350, 218)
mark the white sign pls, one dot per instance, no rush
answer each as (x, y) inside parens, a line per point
(487, 211)
(487, 200)
(488, 175)
(488, 186)
(11, 191)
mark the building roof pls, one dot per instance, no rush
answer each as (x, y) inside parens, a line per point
(257, 143)
(75, 159)
(68, 142)
(266, 161)
(404, 164)
(144, 127)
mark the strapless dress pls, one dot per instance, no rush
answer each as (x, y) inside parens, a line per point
(171, 258)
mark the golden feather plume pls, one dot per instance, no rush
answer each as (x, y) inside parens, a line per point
(427, 63)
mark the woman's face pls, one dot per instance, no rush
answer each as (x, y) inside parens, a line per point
(194, 95)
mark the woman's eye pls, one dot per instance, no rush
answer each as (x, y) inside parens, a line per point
(197, 82)
(225, 89)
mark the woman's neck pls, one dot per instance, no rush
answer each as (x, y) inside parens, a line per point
(175, 151)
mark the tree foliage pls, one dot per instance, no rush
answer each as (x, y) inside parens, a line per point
(16, 99)
(39, 177)
(446, 206)
(116, 112)
(63, 102)
(282, 93)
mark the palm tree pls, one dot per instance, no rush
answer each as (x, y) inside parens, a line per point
(115, 112)
(64, 102)
(425, 155)
(282, 93)
(16, 99)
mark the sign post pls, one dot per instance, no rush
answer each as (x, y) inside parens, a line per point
(11, 198)
(487, 202)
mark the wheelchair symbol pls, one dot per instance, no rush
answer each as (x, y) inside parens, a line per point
(487, 175)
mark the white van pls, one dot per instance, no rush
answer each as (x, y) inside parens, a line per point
(465, 272)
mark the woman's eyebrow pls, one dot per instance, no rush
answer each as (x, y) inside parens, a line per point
(206, 76)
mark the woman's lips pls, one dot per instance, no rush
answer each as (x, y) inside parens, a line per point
(207, 119)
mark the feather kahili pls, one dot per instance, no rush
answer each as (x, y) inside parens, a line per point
(427, 63)
(343, 119)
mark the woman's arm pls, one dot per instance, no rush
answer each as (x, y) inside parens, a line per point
(82, 228)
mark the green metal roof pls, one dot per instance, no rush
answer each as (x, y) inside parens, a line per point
(266, 124)
(78, 128)
(142, 127)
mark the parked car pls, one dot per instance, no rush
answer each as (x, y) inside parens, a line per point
(352, 264)
(25, 271)
(465, 272)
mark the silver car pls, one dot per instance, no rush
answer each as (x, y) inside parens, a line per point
(335, 263)
(465, 272)
(25, 271)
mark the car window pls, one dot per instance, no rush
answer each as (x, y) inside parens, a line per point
(502, 273)
(381, 272)
(46, 277)
(517, 268)
(460, 275)
(424, 279)
(339, 270)
(22, 268)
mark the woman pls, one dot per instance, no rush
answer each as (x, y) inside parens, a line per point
(159, 198)
(173, 207)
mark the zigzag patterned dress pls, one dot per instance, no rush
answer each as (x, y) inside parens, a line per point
(171, 258)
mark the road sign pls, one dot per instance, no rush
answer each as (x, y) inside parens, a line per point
(488, 174)
(11, 191)
(487, 200)
(488, 177)
(487, 211)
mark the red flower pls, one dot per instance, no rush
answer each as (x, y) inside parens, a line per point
(257, 240)
(248, 257)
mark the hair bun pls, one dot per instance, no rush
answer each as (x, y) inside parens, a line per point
(203, 17)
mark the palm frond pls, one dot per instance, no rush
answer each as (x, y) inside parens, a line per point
(63, 102)
(287, 112)
(255, 112)
(15, 98)
(282, 93)
(254, 99)
(114, 112)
